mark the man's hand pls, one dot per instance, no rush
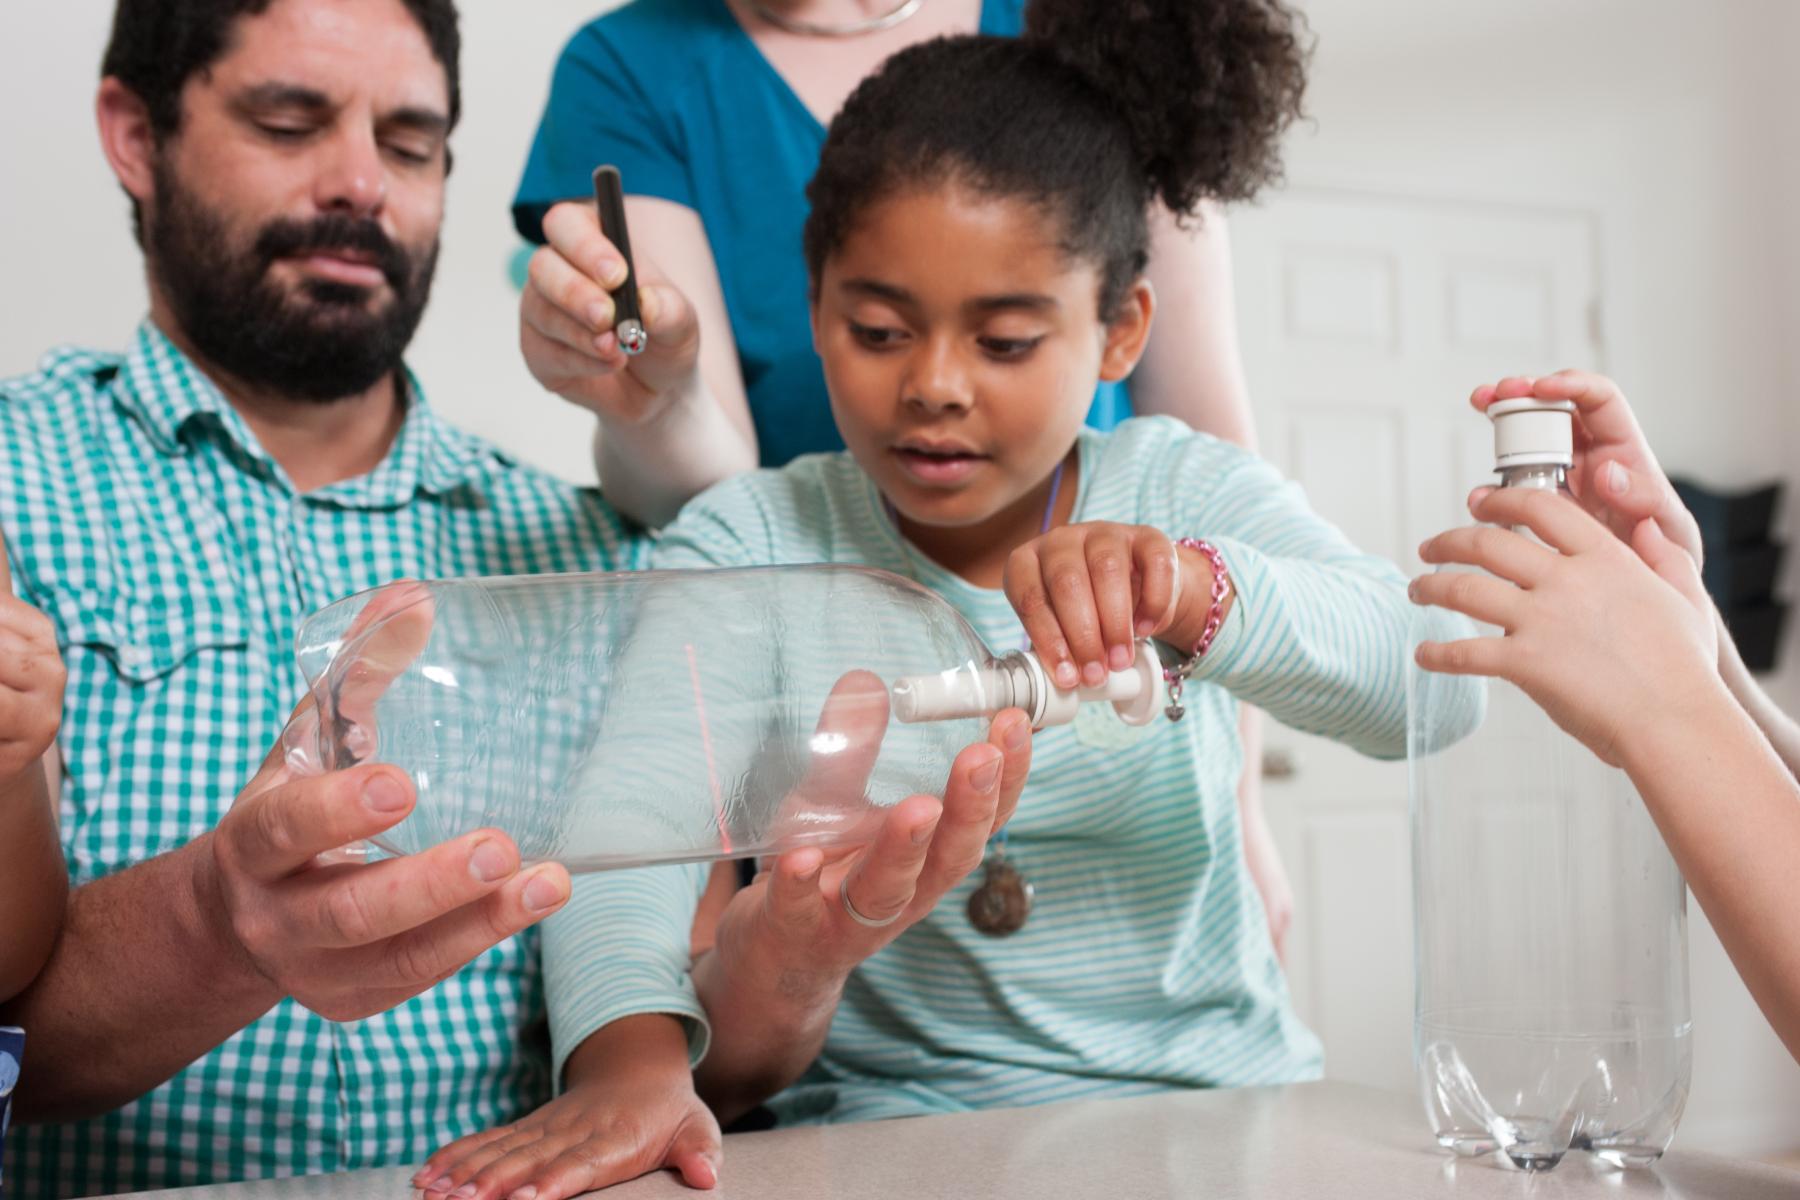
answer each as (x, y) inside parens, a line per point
(349, 940)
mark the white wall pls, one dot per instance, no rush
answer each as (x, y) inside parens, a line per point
(1675, 121)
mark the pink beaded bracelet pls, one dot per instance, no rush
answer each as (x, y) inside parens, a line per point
(1177, 675)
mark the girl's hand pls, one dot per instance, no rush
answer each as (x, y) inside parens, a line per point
(1612, 639)
(1086, 592)
(1615, 476)
(634, 1111)
(31, 683)
(566, 323)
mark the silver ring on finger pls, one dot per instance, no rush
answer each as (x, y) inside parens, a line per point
(866, 922)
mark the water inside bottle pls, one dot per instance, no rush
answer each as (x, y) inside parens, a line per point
(1617, 1092)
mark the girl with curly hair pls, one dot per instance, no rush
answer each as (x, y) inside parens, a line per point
(976, 250)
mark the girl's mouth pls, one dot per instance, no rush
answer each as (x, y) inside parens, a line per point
(938, 467)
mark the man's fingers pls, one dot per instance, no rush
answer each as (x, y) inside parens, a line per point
(438, 949)
(389, 633)
(270, 835)
(358, 906)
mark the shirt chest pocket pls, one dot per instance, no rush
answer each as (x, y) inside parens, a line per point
(145, 641)
(164, 720)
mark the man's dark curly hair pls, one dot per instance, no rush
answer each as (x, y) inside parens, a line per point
(158, 45)
(1100, 108)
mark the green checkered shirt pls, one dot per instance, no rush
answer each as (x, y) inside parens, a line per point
(176, 560)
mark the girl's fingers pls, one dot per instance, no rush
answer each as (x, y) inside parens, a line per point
(1159, 574)
(1482, 597)
(1471, 656)
(1071, 591)
(489, 1166)
(1030, 596)
(583, 1167)
(1499, 551)
(1111, 568)
(443, 1161)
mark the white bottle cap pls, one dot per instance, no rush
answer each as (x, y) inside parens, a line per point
(1530, 432)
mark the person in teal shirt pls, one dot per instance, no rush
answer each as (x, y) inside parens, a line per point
(678, 96)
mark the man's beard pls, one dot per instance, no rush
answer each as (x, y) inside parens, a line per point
(319, 341)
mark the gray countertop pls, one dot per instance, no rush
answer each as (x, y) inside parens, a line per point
(1307, 1141)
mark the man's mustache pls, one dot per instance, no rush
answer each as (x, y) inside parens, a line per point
(291, 239)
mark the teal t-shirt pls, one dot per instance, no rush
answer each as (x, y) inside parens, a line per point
(676, 95)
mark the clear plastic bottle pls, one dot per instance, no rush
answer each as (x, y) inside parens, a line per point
(665, 716)
(1550, 920)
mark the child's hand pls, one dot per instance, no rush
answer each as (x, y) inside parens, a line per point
(31, 684)
(1086, 592)
(1615, 476)
(1599, 634)
(566, 323)
(634, 1111)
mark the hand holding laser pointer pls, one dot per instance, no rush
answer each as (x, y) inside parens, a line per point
(600, 325)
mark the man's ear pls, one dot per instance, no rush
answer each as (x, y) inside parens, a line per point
(126, 138)
(1127, 332)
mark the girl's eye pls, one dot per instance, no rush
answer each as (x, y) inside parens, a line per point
(1009, 348)
(876, 337)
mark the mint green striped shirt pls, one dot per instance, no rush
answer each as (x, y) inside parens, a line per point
(1146, 963)
(175, 559)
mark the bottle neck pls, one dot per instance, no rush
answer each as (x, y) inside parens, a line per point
(1543, 477)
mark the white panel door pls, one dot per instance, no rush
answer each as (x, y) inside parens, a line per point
(1366, 321)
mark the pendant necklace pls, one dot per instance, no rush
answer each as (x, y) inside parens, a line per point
(1002, 903)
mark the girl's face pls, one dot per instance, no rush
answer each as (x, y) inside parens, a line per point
(961, 349)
